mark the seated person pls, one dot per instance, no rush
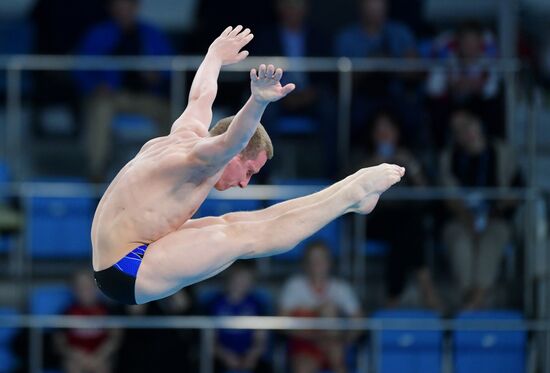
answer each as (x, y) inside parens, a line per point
(376, 36)
(317, 294)
(169, 353)
(87, 350)
(134, 339)
(468, 81)
(478, 229)
(166, 348)
(406, 254)
(58, 27)
(111, 92)
(239, 350)
(293, 36)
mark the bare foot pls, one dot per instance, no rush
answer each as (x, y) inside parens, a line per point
(370, 183)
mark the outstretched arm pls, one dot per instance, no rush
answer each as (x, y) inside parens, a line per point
(266, 87)
(223, 51)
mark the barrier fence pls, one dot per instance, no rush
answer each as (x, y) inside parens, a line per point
(208, 325)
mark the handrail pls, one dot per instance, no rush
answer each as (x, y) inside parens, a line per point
(187, 63)
(267, 323)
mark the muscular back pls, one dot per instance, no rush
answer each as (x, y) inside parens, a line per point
(153, 195)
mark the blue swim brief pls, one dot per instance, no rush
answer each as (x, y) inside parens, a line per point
(118, 282)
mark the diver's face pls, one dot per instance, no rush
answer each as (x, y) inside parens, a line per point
(239, 171)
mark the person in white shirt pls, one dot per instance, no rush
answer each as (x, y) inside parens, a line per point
(317, 294)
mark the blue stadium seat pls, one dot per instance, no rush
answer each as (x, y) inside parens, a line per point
(7, 242)
(409, 351)
(8, 360)
(490, 351)
(218, 207)
(49, 299)
(59, 227)
(5, 174)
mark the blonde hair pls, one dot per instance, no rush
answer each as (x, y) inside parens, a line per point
(259, 141)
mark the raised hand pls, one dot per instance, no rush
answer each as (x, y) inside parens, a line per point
(227, 46)
(265, 84)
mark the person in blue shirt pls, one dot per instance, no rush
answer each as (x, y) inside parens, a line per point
(239, 350)
(376, 36)
(109, 92)
(294, 36)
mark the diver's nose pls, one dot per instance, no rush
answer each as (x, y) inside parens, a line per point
(244, 183)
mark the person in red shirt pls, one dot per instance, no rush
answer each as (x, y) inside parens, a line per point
(318, 294)
(87, 350)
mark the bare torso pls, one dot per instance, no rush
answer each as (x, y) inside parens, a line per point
(152, 196)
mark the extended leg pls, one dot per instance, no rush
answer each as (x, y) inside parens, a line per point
(193, 254)
(277, 209)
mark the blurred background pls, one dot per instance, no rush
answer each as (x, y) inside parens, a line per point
(458, 92)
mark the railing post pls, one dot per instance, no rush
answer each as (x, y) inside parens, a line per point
(35, 349)
(13, 124)
(207, 351)
(375, 349)
(359, 223)
(345, 92)
(177, 88)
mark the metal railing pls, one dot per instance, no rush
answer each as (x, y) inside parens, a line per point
(208, 325)
(179, 66)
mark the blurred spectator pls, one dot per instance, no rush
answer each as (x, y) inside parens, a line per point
(479, 229)
(111, 92)
(377, 36)
(11, 220)
(166, 348)
(239, 350)
(134, 342)
(293, 36)
(317, 294)
(468, 80)
(87, 350)
(60, 24)
(58, 27)
(406, 254)
(174, 347)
